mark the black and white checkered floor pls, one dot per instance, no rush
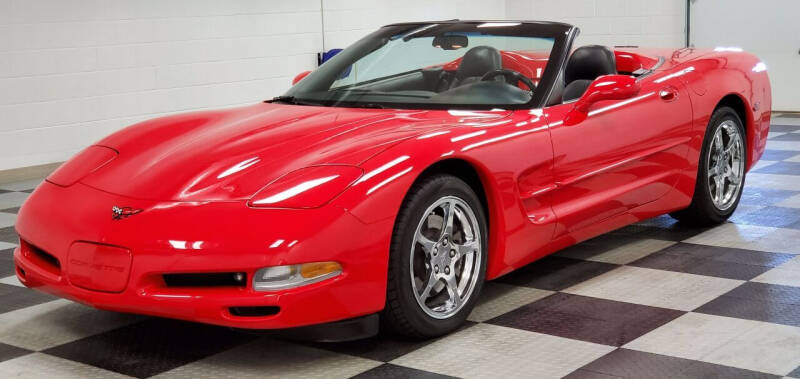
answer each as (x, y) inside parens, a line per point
(650, 300)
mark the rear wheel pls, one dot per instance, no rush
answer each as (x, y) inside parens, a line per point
(437, 263)
(721, 173)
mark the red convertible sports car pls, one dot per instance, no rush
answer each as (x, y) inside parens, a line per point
(396, 178)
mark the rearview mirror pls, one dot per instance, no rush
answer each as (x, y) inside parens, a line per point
(606, 87)
(300, 77)
(450, 41)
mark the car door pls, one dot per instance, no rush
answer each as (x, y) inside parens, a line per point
(624, 154)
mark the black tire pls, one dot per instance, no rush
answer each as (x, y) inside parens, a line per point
(702, 211)
(402, 314)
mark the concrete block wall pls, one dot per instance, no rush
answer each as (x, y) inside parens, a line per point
(74, 71)
(651, 23)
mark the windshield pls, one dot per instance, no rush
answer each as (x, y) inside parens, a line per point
(439, 65)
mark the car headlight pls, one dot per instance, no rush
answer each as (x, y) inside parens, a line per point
(84, 163)
(310, 187)
(291, 276)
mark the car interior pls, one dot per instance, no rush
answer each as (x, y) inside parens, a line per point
(586, 64)
(480, 77)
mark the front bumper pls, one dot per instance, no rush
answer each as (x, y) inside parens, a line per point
(202, 237)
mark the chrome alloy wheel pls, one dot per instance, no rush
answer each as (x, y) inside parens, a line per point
(725, 165)
(445, 257)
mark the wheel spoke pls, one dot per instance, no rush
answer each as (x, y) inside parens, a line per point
(734, 179)
(732, 144)
(720, 184)
(452, 290)
(467, 248)
(718, 141)
(449, 215)
(427, 244)
(426, 292)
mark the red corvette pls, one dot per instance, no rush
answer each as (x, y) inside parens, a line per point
(396, 178)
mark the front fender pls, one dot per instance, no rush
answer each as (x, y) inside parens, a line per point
(503, 155)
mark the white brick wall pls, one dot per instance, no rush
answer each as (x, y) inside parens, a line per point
(348, 20)
(74, 71)
(647, 23)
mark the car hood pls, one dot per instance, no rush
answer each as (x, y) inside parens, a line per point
(228, 155)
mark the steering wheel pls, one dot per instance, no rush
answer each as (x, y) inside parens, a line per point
(510, 77)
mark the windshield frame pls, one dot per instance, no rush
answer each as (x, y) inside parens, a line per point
(563, 36)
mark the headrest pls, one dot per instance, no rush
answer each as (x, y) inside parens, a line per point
(589, 62)
(478, 61)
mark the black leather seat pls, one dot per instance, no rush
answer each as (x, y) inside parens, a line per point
(584, 66)
(477, 61)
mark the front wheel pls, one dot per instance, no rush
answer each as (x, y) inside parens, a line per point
(437, 261)
(721, 172)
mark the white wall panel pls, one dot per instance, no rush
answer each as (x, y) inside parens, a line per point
(347, 21)
(74, 71)
(773, 36)
(647, 23)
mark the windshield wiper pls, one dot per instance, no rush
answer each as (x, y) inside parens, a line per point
(283, 99)
(356, 104)
(293, 100)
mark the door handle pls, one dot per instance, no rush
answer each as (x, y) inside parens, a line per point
(668, 93)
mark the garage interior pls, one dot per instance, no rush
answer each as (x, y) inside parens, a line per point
(654, 299)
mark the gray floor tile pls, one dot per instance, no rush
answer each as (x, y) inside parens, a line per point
(494, 351)
(618, 252)
(498, 298)
(268, 358)
(22, 186)
(791, 202)
(7, 219)
(12, 199)
(9, 235)
(637, 364)
(384, 347)
(777, 155)
(587, 319)
(390, 371)
(758, 301)
(773, 181)
(555, 273)
(782, 168)
(150, 347)
(39, 365)
(56, 322)
(746, 344)
(787, 137)
(656, 288)
(779, 217)
(713, 261)
(9, 352)
(17, 298)
(751, 237)
(12, 281)
(7, 263)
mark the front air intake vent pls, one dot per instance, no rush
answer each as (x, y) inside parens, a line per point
(210, 279)
(255, 311)
(41, 258)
